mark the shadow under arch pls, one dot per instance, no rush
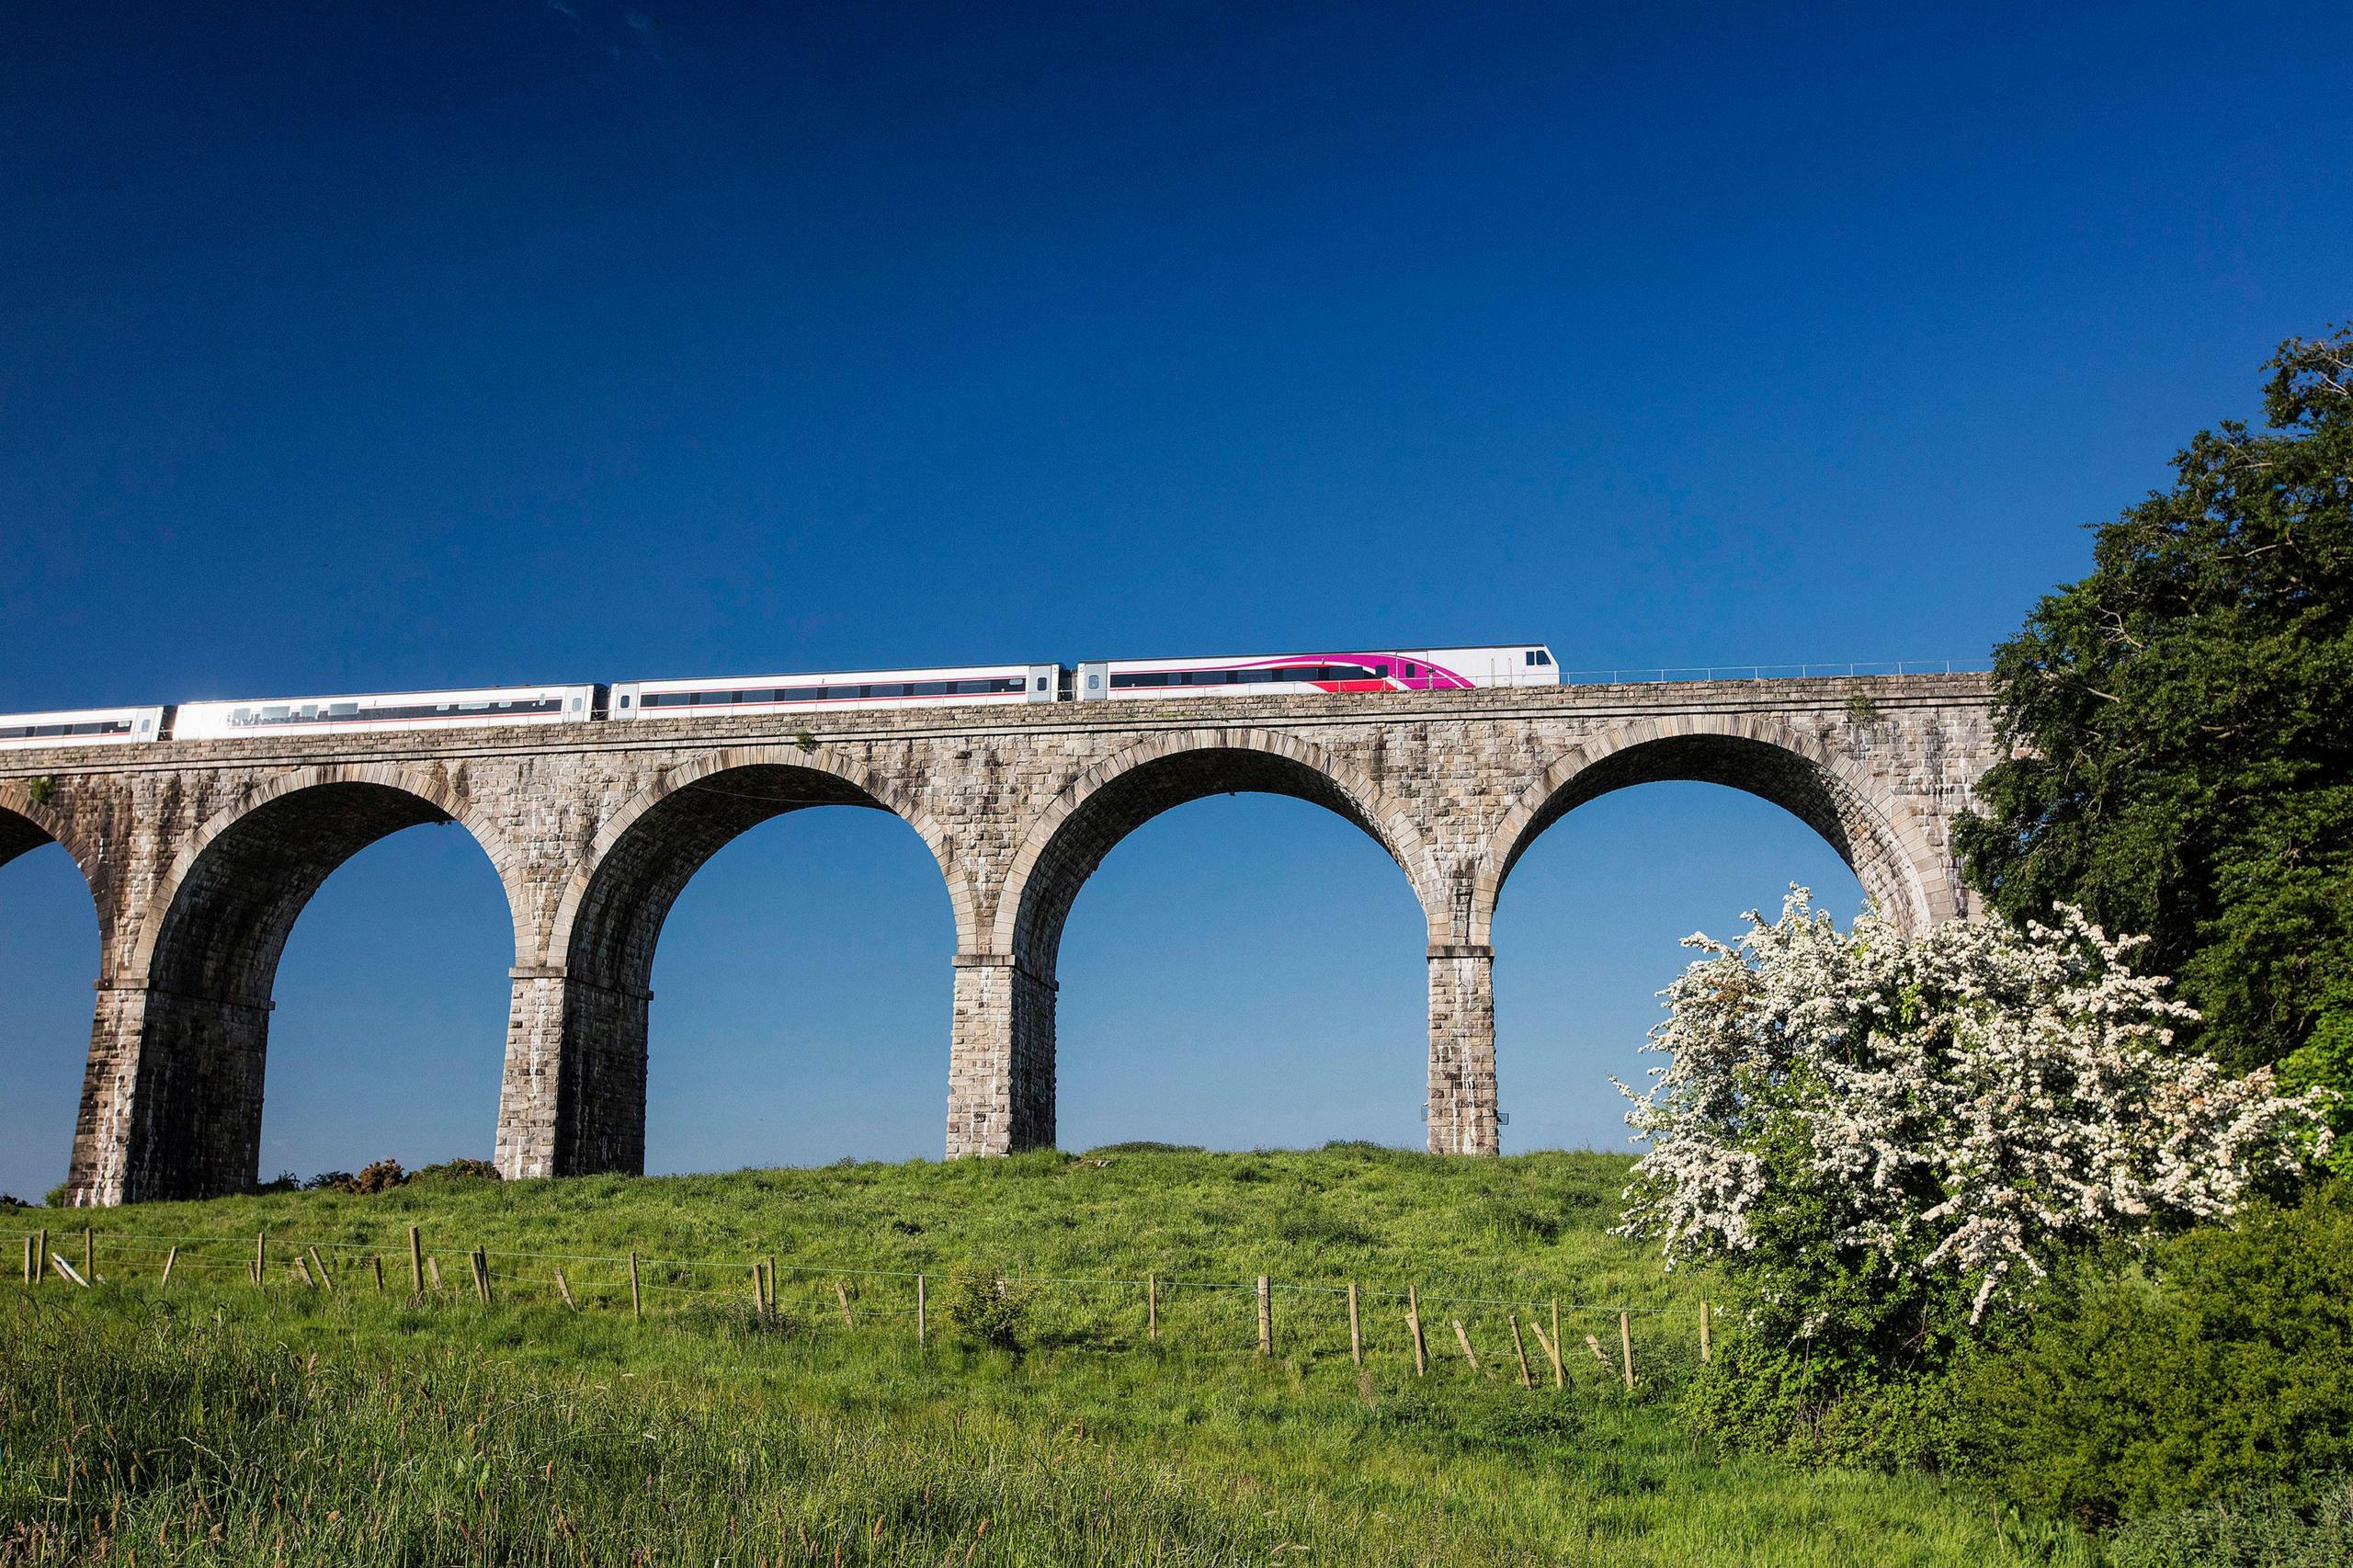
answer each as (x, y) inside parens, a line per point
(1002, 1094)
(588, 1114)
(1882, 841)
(198, 980)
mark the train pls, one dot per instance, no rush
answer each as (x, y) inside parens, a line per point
(1360, 672)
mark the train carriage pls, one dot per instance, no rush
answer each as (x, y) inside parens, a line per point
(387, 711)
(81, 727)
(1394, 669)
(836, 691)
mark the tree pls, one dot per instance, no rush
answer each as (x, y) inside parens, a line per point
(1960, 1105)
(2181, 731)
(1884, 1140)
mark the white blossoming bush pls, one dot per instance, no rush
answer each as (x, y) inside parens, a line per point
(1915, 1113)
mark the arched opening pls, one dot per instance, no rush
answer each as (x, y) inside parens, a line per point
(389, 1025)
(803, 986)
(1244, 973)
(1590, 923)
(49, 929)
(1215, 946)
(210, 971)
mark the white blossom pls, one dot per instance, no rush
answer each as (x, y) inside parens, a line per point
(1971, 1099)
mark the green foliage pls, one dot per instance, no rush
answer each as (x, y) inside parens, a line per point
(458, 1170)
(1843, 1349)
(2183, 739)
(58, 1196)
(2226, 1366)
(987, 1309)
(2325, 1061)
(284, 1181)
(2311, 1528)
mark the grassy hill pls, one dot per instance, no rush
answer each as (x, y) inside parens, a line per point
(212, 1421)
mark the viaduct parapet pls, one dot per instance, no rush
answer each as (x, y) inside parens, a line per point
(201, 856)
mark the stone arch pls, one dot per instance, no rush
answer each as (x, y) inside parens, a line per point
(1883, 840)
(182, 1114)
(1122, 792)
(1001, 1075)
(641, 858)
(575, 1097)
(26, 826)
(226, 904)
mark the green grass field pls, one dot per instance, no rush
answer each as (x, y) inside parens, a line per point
(214, 1422)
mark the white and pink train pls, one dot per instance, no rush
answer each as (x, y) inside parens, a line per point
(1393, 669)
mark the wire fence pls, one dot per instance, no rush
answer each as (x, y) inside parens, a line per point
(1108, 1312)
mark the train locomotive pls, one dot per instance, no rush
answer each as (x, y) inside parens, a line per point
(1357, 673)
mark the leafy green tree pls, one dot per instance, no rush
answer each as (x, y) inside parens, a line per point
(2181, 729)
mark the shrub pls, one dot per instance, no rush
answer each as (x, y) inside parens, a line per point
(284, 1181)
(382, 1176)
(987, 1309)
(2227, 1369)
(10, 1200)
(1886, 1140)
(1965, 1104)
(2311, 1529)
(330, 1181)
(58, 1196)
(453, 1170)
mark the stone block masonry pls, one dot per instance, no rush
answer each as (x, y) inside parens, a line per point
(201, 856)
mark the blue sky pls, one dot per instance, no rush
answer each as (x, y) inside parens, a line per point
(384, 346)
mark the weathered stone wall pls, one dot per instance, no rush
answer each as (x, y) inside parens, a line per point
(201, 855)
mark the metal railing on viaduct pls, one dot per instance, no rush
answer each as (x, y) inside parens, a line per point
(200, 855)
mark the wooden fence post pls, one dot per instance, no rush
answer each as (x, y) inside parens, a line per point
(433, 1271)
(771, 1285)
(1152, 1305)
(1626, 1348)
(841, 1294)
(636, 1301)
(563, 1289)
(1703, 1329)
(416, 1263)
(759, 1292)
(261, 1257)
(1552, 1351)
(325, 1278)
(1356, 1335)
(376, 1267)
(1560, 1378)
(1520, 1347)
(65, 1271)
(169, 1258)
(1465, 1340)
(302, 1268)
(481, 1275)
(923, 1304)
(1266, 1317)
(36, 1258)
(1413, 1326)
(89, 1255)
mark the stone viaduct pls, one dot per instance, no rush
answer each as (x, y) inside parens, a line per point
(201, 855)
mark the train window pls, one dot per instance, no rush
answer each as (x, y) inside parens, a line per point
(1411, 671)
(1542, 657)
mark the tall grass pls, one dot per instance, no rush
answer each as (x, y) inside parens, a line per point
(219, 1423)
